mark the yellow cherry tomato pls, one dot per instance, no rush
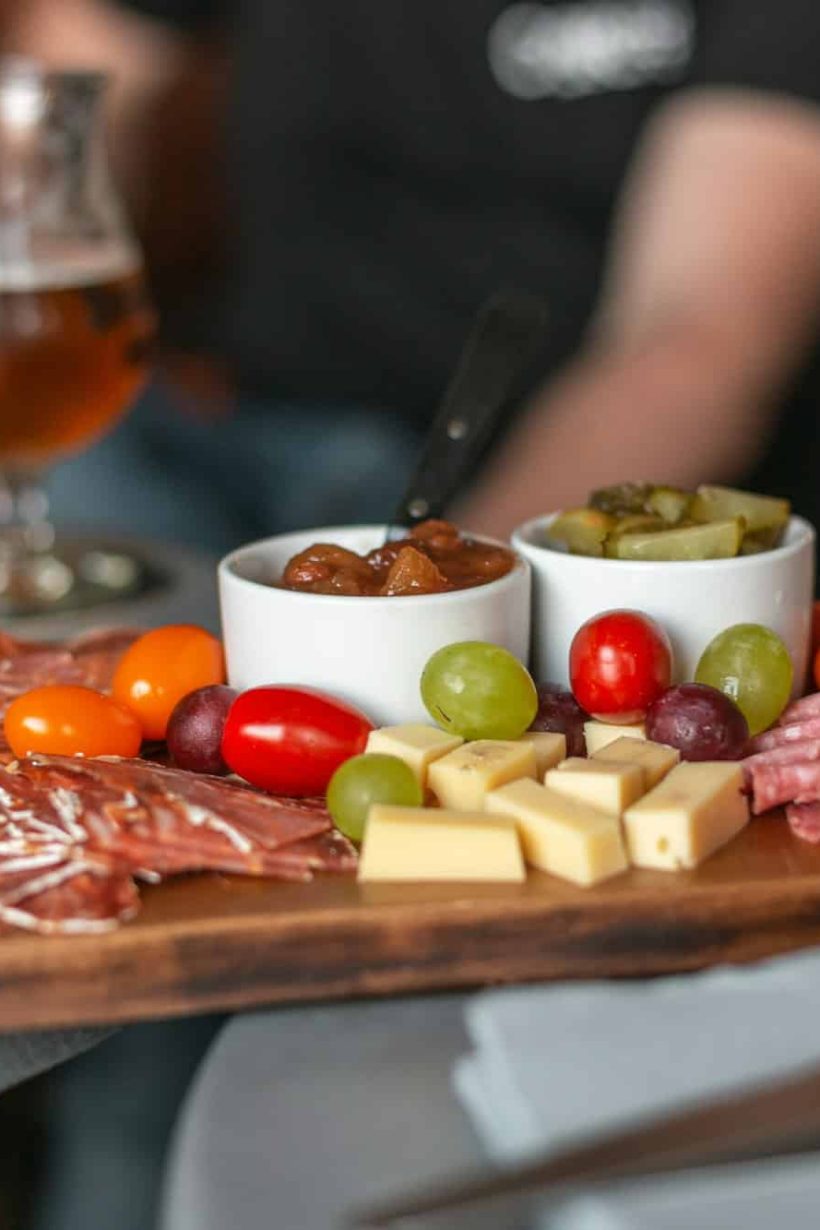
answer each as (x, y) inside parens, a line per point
(63, 720)
(163, 666)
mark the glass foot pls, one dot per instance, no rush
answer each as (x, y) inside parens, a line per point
(70, 576)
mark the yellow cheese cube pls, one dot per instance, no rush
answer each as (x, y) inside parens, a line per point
(654, 759)
(598, 734)
(694, 811)
(603, 784)
(415, 843)
(462, 778)
(569, 839)
(416, 744)
(550, 748)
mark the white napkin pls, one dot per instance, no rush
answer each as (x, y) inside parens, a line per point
(554, 1064)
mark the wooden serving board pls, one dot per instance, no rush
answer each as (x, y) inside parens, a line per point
(208, 943)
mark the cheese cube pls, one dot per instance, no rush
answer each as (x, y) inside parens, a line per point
(566, 838)
(415, 843)
(416, 744)
(598, 734)
(550, 748)
(654, 759)
(694, 811)
(462, 778)
(603, 784)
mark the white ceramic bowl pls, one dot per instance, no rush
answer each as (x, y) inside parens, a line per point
(693, 600)
(368, 651)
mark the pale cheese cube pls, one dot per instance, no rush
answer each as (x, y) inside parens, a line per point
(416, 843)
(603, 784)
(559, 835)
(550, 749)
(414, 743)
(694, 811)
(462, 778)
(654, 759)
(598, 734)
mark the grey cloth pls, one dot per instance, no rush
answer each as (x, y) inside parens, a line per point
(298, 1114)
(25, 1055)
(551, 1065)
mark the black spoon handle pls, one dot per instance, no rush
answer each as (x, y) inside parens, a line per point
(501, 345)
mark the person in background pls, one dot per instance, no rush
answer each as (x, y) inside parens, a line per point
(327, 193)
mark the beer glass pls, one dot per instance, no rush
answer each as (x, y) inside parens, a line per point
(75, 325)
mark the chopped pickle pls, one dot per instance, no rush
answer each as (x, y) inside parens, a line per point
(621, 499)
(760, 512)
(581, 531)
(637, 523)
(760, 540)
(669, 503)
(716, 540)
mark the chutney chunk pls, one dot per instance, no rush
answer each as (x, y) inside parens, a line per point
(433, 559)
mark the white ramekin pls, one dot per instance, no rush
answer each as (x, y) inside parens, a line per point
(368, 651)
(693, 599)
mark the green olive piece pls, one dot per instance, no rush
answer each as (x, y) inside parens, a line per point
(717, 540)
(581, 531)
(760, 512)
(621, 499)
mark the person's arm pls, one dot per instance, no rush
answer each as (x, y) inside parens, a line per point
(712, 298)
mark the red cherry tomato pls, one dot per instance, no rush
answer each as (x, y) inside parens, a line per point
(291, 740)
(815, 646)
(161, 667)
(62, 720)
(619, 662)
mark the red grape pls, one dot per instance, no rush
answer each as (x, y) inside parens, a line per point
(700, 722)
(558, 710)
(195, 729)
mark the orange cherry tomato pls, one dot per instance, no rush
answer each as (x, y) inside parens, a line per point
(63, 720)
(163, 666)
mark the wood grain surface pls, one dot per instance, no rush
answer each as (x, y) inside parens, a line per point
(208, 943)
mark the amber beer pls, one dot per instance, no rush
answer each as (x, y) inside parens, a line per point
(74, 349)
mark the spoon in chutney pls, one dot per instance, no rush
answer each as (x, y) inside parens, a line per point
(490, 371)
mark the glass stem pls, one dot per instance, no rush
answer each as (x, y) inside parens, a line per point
(26, 533)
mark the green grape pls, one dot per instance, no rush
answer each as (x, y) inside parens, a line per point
(751, 665)
(367, 779)
(479, 691)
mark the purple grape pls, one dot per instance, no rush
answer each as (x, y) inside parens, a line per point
(195, 729)
(700, 722)
(558, 710)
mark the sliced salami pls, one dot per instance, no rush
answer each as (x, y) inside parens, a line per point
(775, 784)
(801, 710)
(778, 736)
(57, 893)
(804, 821)
(98, 654)
(168, 821)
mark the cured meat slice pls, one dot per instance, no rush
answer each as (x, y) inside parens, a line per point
(773, 784)
(788, 753)
(801, 710)
(804, 821)
(167, 820)
(54, 893)
(98, 654)
(778, 736)
(328, 852)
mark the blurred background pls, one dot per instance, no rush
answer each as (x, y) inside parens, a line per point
(324, 196)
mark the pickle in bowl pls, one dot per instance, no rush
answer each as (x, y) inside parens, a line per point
(654, 521)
